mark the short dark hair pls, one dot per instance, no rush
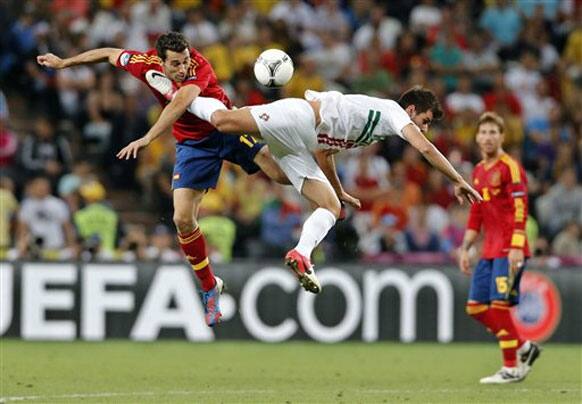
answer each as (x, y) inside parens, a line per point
(423, 100)
(173, 41)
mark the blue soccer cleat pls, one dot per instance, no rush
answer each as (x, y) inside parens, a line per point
(210, 300)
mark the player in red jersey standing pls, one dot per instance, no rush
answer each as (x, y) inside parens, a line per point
(200, 148)
(502, 216)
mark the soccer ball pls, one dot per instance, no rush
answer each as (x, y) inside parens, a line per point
(273, 68)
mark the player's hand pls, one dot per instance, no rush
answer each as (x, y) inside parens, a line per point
(350, 200)
(464, 191)
(464, 261)
(50, 60)
(130, 151)
(516, 259)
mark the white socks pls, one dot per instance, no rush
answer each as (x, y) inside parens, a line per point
(204, 107)
(314, 230)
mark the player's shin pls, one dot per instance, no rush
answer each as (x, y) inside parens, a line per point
(314, 230)
(204, 107)
(194, 246)
(482, 313)
(506, 333)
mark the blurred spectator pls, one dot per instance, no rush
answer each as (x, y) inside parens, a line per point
(73, 84)
(8, 140)
(133, 245)
(416, 169)
(220, 233)
(198, 30)
(305, 78)
(280, 222)
(296, 14)
(502, 21)
(568, 242)
(418, 235)
(331, 18)
(237, 21)
(562, 204)
(97, 224)
(366, 176)
(437, 191)
(69, 184)
(465, 99)
(45, 152)
(523, 77)
(480, 59)
(446, 59)
(425, 16)
(44, 224)
(105, 117)
(153, 15)
(161, 246)
(387, 29)
(8, 210)
(373, 78)
(334, 59)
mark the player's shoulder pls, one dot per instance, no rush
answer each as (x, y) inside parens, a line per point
(129, 57)
(512, 166)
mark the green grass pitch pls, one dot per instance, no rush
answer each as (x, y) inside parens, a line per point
(297, 372)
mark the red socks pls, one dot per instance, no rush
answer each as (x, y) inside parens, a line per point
(497, 319)
(194, 247)
(509, 340)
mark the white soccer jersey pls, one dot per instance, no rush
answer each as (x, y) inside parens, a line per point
(352, 120)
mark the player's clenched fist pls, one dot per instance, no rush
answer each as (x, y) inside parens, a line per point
(50, 60)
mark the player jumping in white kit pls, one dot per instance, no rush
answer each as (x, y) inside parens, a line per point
(304, 134)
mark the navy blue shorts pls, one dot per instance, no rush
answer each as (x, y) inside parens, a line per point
(198, 162)
(489, 281)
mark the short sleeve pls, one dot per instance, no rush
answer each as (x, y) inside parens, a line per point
(131, 62)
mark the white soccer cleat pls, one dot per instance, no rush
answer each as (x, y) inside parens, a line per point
(160, 83)
(527, 355)
(504, 376)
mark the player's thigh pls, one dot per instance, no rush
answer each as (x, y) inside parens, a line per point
(480, 290)
(286, 125)
(499, 281)
(321, 194)
(238, 121)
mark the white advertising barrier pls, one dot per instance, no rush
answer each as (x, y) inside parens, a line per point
(65, 301)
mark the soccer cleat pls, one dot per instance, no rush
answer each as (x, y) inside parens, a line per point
(527, 358)
(160, 83)
(503, 376)
(303, 270)
(210, 300)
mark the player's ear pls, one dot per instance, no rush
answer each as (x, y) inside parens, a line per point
(411, 110)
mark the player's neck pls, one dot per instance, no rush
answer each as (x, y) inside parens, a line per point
(491, 158)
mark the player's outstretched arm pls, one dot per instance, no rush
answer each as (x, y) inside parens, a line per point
(462, 189)
(170, 114)
(326, 161)
(92, 56)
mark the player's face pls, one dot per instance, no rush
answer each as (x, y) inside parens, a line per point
(176, 65)
(422, 120)
(489, 138)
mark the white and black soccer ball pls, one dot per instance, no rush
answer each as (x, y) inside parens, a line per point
(273, 68)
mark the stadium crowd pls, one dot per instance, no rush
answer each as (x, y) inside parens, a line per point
(63, 194)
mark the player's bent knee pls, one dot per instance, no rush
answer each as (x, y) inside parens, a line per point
(221, 121)
(333, 206)
(184, 224)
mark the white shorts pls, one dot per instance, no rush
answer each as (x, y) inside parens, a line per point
(288, 127)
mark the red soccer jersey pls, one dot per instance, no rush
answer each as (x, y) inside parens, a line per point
(200, 73)
(503, 212)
